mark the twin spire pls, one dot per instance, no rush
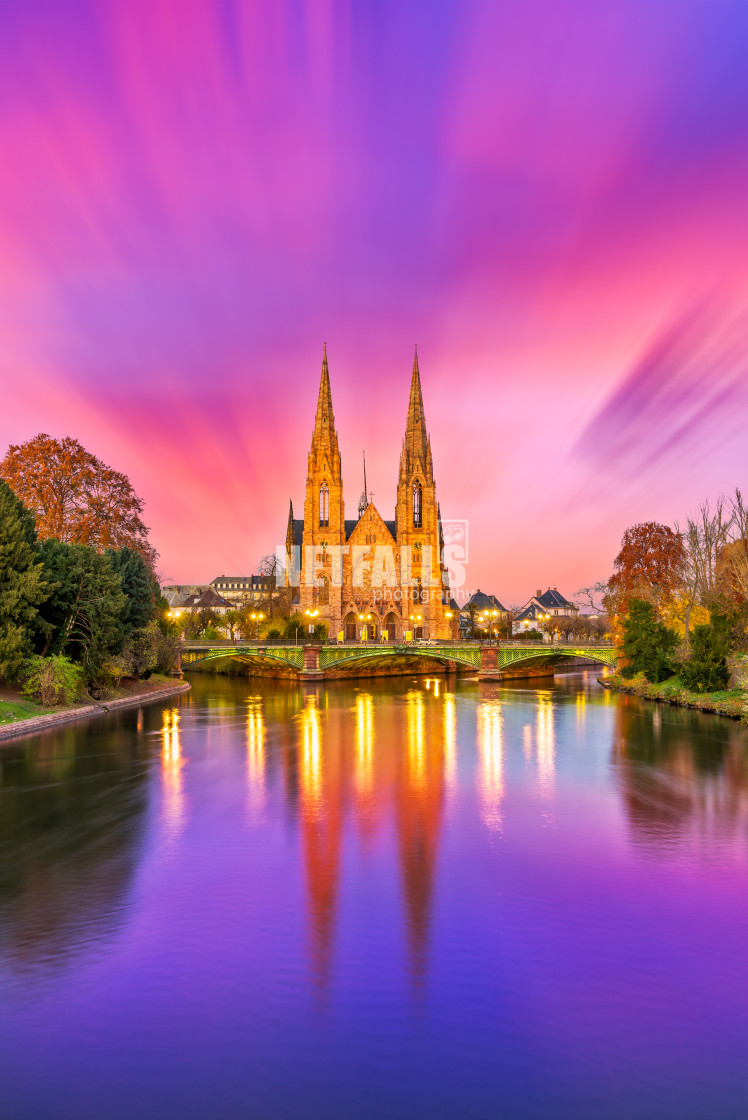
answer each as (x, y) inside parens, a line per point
(416, 452)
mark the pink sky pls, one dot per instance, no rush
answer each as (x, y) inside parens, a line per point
(551, 199)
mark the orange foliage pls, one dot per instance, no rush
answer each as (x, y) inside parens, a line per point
(649, 566)
(75, 497)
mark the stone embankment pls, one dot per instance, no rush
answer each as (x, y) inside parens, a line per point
(88, 711)
(732, 703)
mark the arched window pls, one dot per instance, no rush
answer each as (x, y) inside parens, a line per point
(324, 505)
(417, 511)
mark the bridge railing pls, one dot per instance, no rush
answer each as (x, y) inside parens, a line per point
(238, 643)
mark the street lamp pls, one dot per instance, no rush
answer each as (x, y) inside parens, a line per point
(495, 617)
(310, 615)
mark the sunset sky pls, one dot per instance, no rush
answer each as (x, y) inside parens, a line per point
(550, 198)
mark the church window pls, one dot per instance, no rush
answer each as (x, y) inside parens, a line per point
(417, 510)
(324, 505)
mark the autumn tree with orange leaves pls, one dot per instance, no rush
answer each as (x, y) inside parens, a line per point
(75, 497)
(649, 566)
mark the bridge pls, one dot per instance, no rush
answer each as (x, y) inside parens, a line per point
(318, 660)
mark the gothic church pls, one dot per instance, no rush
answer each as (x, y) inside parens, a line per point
(370, 578)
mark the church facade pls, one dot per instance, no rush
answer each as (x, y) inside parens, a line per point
(371, 578)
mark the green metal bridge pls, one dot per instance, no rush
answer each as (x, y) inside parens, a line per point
(315, 660)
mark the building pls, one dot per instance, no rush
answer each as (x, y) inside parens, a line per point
(208, 599)
(244, 590)
(176, 594)
(541, 607)
(368, 577)
(484, 612)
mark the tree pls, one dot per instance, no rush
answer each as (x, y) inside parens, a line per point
(233, 620)
(594, 595)
(75, 497)
(704, 539)
(86, 608)
(706, 669)
(23, 583)
(650, 560)
(142, 649)
(732, 564)
(647, 645)
(138, 586)
(202, 623)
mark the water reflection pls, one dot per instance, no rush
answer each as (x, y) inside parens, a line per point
(491, 753)
(419, 803)
(353, 869)
(72, 810)
(364, 744)
(546, 742)
(682, 789)
(255, 755)
(171, 772)
(321, 815)
(450, 740)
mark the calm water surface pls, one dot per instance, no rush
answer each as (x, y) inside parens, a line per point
(419, 898)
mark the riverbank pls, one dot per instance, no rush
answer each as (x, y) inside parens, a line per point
(732, 703)
(25, 718)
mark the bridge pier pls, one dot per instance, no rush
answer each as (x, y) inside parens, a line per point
(311, 670)
(489, 664)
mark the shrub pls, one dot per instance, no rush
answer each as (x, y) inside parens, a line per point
(168, 651)
(141, 650)
(273, 632)
(52, 680)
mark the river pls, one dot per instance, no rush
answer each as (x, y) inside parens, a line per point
(413, 897)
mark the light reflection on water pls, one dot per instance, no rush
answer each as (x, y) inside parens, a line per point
(400, 930)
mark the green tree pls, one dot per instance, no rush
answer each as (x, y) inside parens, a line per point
(202, 623)
(85, 611)
(706, 669)
(141, 651)
(647, 645)
(23, 584)
(233, 620)
(138, 586)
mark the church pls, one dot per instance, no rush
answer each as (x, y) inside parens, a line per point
(367, 578)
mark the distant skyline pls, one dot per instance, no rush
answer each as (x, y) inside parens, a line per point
(549, 198)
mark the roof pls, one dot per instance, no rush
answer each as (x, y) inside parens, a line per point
(350, 525)
(529, 613)
(483, 602)
(209, 599)
(256, 580)
(553, 598)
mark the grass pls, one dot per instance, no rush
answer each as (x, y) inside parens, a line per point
(14, 707)
(18, 708)
(731, 702)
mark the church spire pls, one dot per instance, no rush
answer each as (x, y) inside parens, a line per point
(324, 421)
(363, 501)
(416, 442)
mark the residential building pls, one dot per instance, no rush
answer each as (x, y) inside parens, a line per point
(542, 606)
